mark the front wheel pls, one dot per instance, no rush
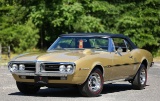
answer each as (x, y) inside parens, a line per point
(93, 86)
(27, 89)
(140, 79)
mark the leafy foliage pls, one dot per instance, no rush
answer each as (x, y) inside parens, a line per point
(21, 35)
(27, 24)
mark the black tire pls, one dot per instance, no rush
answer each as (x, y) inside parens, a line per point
(140, 79)
(27, 89)
(93, 86)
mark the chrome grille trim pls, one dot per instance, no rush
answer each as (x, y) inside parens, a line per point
(38, 69)
(55, 64)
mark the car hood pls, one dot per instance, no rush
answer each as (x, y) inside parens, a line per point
(54, 56)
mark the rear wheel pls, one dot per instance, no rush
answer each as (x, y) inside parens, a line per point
(27, 89)
(93, 86)
(140, 79)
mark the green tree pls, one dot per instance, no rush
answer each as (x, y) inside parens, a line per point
(141, 23)
(138, 19)
(21, 35)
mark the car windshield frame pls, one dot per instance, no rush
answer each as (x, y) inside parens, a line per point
(84, 40)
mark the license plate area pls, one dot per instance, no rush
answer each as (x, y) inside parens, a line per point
(41, 79)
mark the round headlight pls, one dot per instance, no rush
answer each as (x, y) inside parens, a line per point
(62, 68)
(69, 68)
(21, 67)
(14, 67)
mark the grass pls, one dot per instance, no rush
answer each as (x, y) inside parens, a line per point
(4, 59)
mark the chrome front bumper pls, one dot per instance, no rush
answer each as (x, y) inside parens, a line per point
(41, 74)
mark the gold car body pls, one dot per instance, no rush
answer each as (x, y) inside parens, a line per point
(114, 65)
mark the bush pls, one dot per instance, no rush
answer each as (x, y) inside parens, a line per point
(20, 37)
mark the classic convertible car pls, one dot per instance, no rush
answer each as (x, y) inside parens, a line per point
(86, 61)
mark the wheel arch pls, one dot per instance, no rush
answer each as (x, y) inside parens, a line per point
(99, 66)
(85, 88)
(145, 62)
(136, 82)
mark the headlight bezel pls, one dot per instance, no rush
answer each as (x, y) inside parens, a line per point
(69, 68)
(16, 67)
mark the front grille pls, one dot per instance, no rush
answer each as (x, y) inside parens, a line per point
(30, 66)
(51, 67)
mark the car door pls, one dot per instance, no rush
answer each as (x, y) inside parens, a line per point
(100, 44)
(123, 63)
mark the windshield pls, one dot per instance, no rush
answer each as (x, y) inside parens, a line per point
(80, 43)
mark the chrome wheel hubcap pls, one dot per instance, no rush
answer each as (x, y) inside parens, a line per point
(142, 77)
(94, 82)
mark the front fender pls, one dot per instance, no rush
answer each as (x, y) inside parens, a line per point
(84, 70)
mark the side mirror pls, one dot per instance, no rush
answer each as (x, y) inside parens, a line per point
(119, 50)
(128, 50)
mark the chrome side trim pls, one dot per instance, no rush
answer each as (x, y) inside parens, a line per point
(114, 81)
(85, 68)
